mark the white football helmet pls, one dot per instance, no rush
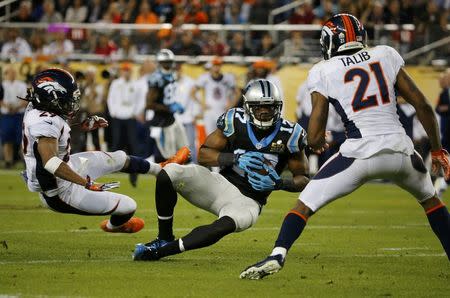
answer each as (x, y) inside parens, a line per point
(166, 60)
(262, 103)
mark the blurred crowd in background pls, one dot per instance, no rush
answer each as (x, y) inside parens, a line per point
(54, 43)
(430, 18)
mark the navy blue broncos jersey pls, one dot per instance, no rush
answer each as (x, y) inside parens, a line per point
(166, 85)
(277, 145)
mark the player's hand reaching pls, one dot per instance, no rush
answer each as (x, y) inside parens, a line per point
(91, 185)
(93, 122)
(251, 161)
(440, 159)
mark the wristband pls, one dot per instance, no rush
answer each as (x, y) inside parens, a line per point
(226, 159)
(53, 164)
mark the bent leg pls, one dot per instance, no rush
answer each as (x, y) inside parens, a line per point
(208, 191)
(415, 179)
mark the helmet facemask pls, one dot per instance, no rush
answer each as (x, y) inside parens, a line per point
(263, 114)
(262, 103)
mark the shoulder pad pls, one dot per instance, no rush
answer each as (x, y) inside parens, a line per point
(297, 141)
(226, 122)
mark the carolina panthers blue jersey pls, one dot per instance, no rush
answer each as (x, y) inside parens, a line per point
(277, 144)
(166, 85)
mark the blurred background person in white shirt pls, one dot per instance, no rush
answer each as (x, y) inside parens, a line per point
(220, 93)
(15, 48)
(192, 109)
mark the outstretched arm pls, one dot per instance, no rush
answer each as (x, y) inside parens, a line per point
(409, 91)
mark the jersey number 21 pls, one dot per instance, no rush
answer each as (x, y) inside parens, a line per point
(362, 101)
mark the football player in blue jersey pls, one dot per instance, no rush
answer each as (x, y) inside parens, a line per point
(252, 145)
(168, 133)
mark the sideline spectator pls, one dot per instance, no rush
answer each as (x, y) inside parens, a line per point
(123, 104)
(213, 46)
(443, 109)
(76, 13)
(60, 47)
(24, 14)
(187, 46)
(191, 109)
(50, 14)
(94, 103)
(96, 8)
(238, 47)
(303, 14)
(12, 109)
(126, 50)
(16, 47)
(105, 46)
(165, 9)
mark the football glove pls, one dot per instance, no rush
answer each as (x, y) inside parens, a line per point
(91, 185)
(93, 122)
(176, 108)
(250, 161)
(270, 181)
(439, 159)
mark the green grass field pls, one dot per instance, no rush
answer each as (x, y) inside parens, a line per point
(375, 242)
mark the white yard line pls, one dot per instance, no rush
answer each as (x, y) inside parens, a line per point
(128, 259)
(314, 227)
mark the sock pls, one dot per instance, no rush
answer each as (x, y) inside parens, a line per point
(439, 220)
(165, 199)
(200, 237)
(209, 234)
(279, 251)
(165, 226)
(137, 165)
(292, 227)
(118, 220)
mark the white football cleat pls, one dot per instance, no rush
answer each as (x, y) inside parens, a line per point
(269, 265)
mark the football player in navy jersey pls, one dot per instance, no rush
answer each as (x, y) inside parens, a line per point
(168, 133)
(252, 145)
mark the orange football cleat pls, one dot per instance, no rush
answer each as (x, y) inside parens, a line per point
(181, 157)
(134, 225)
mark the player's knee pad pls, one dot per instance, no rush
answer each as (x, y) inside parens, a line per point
(126, 206)
(174, 171)
(244, 218)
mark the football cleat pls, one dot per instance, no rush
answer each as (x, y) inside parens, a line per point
(269, 265)
(182, 156)
(134, 225)
(157, 243)
(145, 253)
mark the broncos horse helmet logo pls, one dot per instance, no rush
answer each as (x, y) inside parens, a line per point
(50, 85)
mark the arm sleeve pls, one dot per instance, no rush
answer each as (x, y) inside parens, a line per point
(226, 122)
